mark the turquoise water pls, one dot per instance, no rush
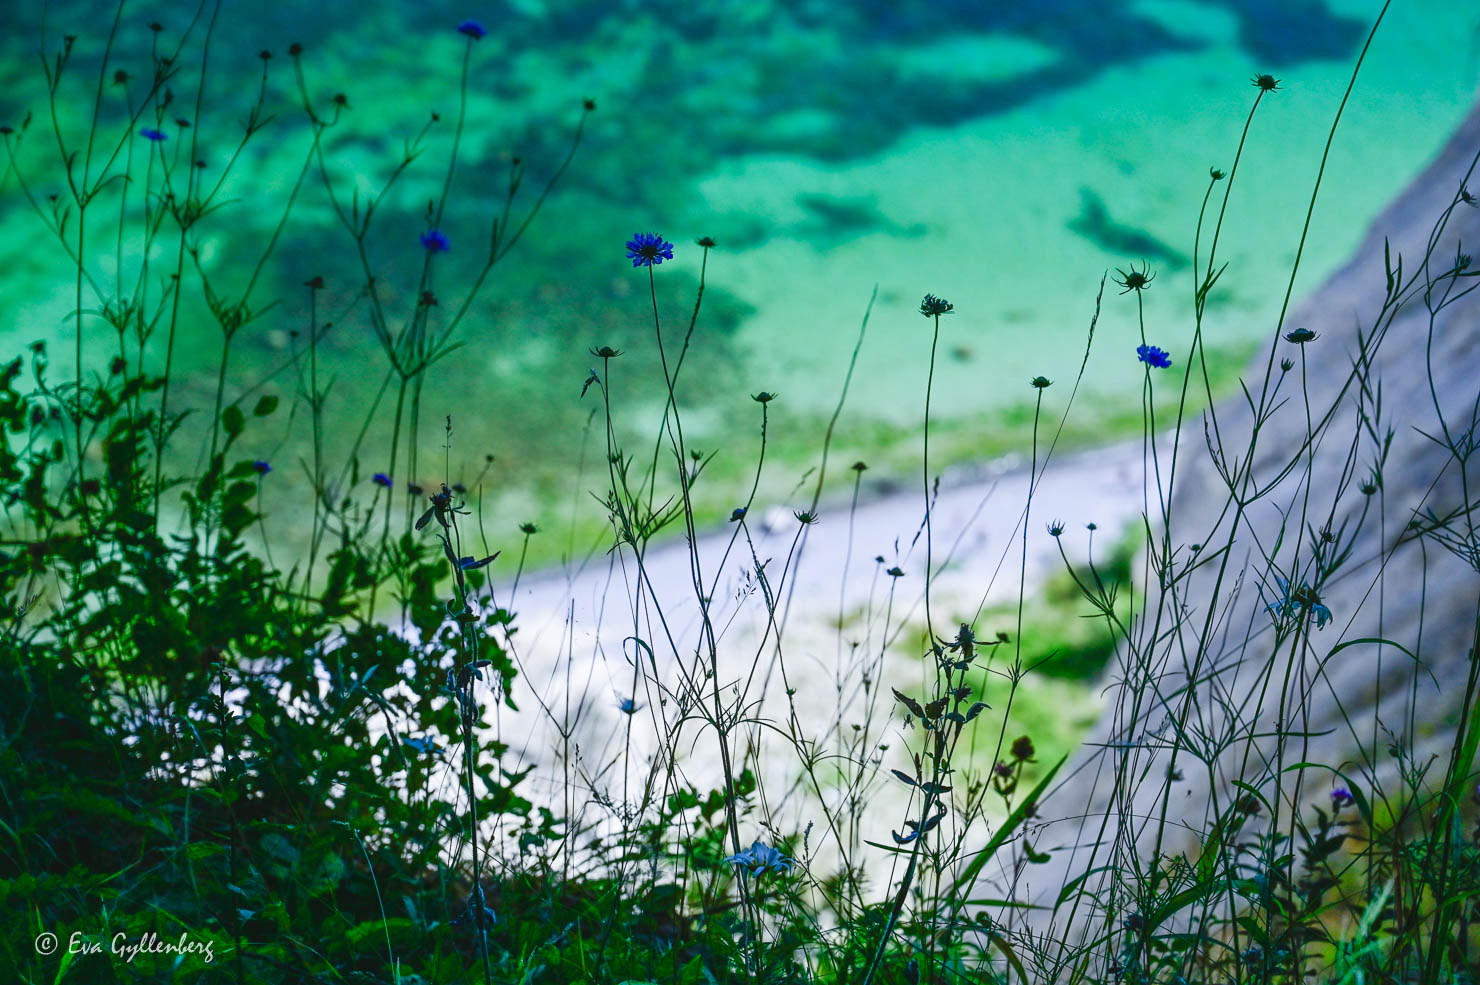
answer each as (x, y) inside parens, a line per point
(1001, 158)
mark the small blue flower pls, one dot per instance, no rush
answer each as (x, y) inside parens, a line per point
(472, 29)
(423, 745)
(149, 133)
(738, 513)
(629, 706)
(1291, 603)
(262, 467)
(647, 250)
(1152, 356)
(763, 857)
(435, 241)
(381, 479)
(1340, 797)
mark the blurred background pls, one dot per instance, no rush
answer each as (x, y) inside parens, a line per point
(1001, 157)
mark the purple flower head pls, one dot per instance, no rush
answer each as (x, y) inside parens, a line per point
(381, 479)
(472, 29)
(1340, 797)
(1152, 356)
(435, 241)
(646, 250)
(149, 133)
(262, 467)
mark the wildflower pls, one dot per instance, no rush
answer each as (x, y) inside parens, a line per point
(763, 857)
(528, 529)
(859, 466)
(605, 351)
(1368, 487)
(1216, 174)
(934, 306)
(261, 467)
(472, 29)
(628, 706)
(1265, 83)
(1022, 748)
(647, 250)
(805, 516)
(1341, 797)
(895, 572)
(737, 514)
(763, 397)
(1301, 601)
(1041, 382)
(1092, 526)
(1301, 336)
(705, 241)
(1153, 356)
(1055, 527)
(149, 133)
(381, 479)
(435, 241)
(1133, 279)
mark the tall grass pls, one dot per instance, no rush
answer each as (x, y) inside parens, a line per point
(337, 759)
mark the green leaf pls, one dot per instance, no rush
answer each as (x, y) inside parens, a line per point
(265, 406)
(232, 419)
(1014, 820)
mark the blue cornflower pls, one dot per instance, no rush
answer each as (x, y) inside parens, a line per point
(629, 706)
(435, 241)
(149, 133)
(1292, 603)
(763, 857)
(1152, 356)
(262, 467)
(472, 29)
(381, 479)
(647, 249)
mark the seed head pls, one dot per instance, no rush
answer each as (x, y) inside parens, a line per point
(1265, 83)
(1133, 279)
(1041, 382)
(934, 306)
(1301, 336)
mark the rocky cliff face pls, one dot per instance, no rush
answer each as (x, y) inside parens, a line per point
(1382, 540)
